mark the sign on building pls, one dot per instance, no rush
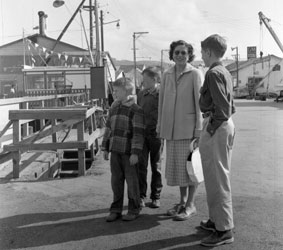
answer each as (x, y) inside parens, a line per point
(251, 52)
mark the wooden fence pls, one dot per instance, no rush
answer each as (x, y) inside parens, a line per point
(66, 107)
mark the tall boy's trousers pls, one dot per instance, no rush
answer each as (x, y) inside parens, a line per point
(216, 153)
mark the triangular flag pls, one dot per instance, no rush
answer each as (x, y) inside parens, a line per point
(47, 54)
(59, 55)
(44, 49)
(36, 45)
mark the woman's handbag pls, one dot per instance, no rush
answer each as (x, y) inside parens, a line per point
(194, 166)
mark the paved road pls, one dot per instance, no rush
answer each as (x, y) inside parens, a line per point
(70, 213)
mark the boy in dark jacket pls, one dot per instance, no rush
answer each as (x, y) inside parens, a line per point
(124, 137)
(148, 100)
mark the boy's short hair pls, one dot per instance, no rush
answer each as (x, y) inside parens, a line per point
(126, 83)
(217, 44)
(152, 72)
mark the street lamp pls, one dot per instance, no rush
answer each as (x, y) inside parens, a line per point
(136, 35)
(101, 28)
(58, 3)
(237, 64)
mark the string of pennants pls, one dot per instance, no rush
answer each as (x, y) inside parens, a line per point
(47, 53)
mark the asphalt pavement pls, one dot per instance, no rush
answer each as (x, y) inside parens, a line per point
(69, 214)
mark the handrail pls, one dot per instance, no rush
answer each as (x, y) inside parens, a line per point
(71, 116)
(19, 100)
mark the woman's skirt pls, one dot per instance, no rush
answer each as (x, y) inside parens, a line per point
(177, 152)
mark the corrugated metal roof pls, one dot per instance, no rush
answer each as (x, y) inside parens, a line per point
(243, 64)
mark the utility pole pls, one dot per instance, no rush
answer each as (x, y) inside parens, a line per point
(161, 66)
(136, 35)
(97, 56)
(102, 23)
(90, 26)
(101, 30)
(237, 64)
(93, 10)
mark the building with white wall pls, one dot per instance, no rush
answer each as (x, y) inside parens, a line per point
(260, 75)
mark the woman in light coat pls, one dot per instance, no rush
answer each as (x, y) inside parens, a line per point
(179, 122)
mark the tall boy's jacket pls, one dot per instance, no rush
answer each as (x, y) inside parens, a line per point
(124, 132)
(148, 100)
(217, 96)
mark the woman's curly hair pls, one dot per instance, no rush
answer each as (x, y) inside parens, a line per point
(189, 47)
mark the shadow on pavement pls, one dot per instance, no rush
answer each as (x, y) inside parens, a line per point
(43, 229)
(180, 243)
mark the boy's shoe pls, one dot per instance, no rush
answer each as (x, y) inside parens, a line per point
(218, 238)
(130, 217)
(186, 214)
(208, 225)
(178, 208)
(142, 202)
(113, 216)
(155, 204)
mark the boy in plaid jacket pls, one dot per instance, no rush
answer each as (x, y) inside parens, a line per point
(124, 138)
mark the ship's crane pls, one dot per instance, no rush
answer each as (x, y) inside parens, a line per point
(265, 20)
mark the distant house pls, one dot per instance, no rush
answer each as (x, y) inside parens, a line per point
(32, 51)
(129, 72)
(259, 75)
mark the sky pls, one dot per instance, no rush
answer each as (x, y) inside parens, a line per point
(164, 20)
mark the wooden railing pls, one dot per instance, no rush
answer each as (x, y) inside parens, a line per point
(39, 102)
(70, 117)
(32, 102)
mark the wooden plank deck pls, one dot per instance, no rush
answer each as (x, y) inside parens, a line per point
(40, 165)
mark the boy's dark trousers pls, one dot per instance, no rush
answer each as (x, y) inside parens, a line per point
(151, 148)
(121, 171)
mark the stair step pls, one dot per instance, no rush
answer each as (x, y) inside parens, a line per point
(73, 164)
(72, 154)
(69, 174)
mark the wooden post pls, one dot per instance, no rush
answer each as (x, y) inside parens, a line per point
(25, 126)
(90, 131)
(16, 154)
(81, 152)
(54, 135)
(42, 121)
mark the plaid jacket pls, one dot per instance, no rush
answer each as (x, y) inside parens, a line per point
(125, 129)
